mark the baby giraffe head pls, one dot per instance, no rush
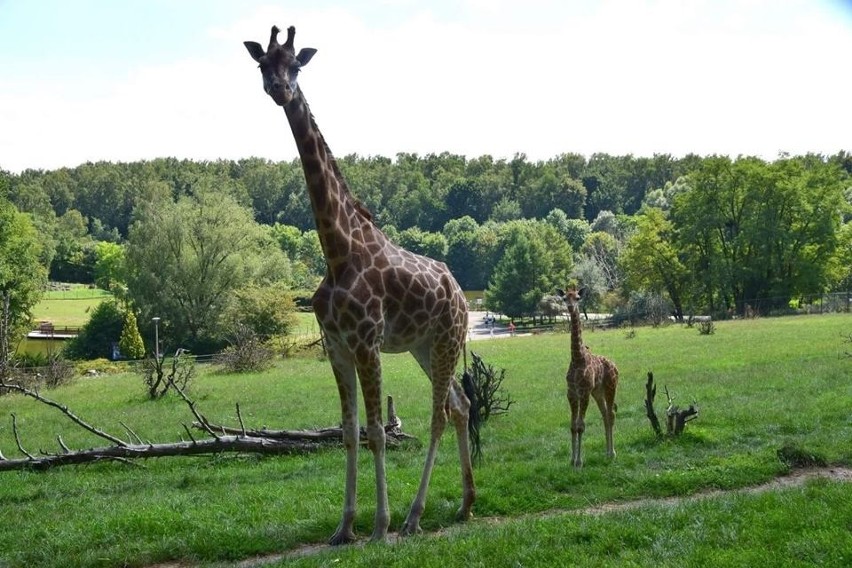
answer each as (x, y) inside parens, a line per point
(280, 65)
(572, 297)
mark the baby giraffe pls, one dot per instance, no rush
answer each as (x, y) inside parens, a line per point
(588, 374)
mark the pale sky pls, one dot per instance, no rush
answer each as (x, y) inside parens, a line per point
(126, 80)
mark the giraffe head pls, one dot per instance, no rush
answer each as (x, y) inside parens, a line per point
(572, 297)
(280, 65)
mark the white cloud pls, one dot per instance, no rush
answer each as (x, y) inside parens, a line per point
(635, 77)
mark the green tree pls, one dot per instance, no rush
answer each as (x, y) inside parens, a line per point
(268, 311)
(184, 260)
(840, 265)
(534, 259)
(752, 231)
(433, 245)
(22, 276)
(99, 334)
(506, 209)
(650, 261)
(109, 266)
(130, 342)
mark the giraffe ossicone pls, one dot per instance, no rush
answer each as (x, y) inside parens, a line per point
(375, 297)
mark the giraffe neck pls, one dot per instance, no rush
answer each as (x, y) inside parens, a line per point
(340, 219)
(577, 352)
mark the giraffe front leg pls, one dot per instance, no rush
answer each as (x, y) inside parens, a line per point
(369, 373)
(344, 374)
(578, 426)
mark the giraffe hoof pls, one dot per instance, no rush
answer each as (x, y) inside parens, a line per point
(410, 529)
(341, 537)
(464, 515)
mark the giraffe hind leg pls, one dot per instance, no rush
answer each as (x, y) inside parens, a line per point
(608, 414)
(446, 395)
(459, 407)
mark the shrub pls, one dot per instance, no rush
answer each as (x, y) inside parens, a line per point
(130, 344)
(707, 327)
(247, 352)
(97, 337)
(267, 311)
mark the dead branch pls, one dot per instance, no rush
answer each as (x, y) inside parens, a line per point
(321, 436)
(330, 435)
(224, 439)
(676, 418)
(64, 409)
(650, 393)
(239, 444)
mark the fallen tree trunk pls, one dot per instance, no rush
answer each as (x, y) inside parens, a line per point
(221, 439)
(329, 435)
(241, 444)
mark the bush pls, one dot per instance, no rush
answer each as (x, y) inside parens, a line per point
(130, 344)
(266, 311)
(707, 327)
(247, 352)
(97, 337)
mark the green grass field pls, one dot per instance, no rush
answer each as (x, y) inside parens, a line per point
(760, 384)
(69, 308)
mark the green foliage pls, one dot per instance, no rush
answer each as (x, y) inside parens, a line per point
(521, 278)
(744, 229)
(110, 270)
(650, 261)
(433, 245)
(130, 343)
(266, 311)
(536, 258)
(185, 259)
(247, 352)
(750, 230)
(100, 333)
(22, 275)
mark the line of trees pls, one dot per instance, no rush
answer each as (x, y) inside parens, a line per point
(183, 239)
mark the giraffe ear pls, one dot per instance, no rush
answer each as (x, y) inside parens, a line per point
(254, 49)
(305, 55)
(582, 292)
(560, 292)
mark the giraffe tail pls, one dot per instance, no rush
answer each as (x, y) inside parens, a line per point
(474, 420)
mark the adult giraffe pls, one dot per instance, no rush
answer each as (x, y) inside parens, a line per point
(375, 297)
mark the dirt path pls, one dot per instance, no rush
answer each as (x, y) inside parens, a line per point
(794, 479)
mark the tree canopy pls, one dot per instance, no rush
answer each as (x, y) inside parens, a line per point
(23, 275)
(711, 233)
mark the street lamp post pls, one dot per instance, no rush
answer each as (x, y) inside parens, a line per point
(156, 337)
